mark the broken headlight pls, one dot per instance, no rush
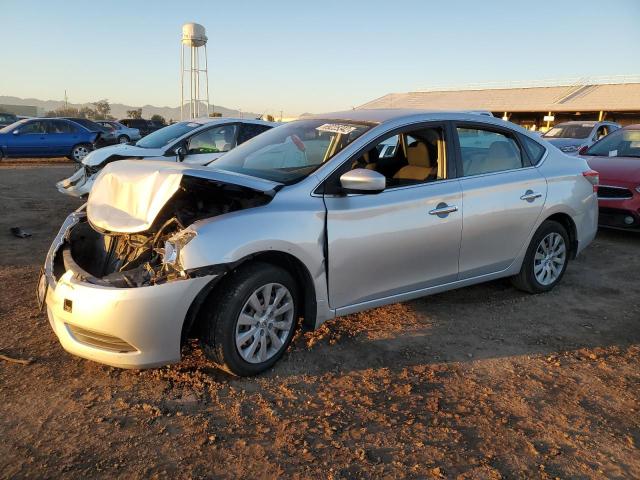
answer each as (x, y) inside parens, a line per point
(173, 246)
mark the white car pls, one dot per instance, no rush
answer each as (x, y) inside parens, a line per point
(194, 142)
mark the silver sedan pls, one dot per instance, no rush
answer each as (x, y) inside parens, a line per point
(123, 133)
(309, 221)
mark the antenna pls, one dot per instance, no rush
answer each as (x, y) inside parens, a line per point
(194, 37)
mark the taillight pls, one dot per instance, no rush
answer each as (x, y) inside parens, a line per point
(593, 177)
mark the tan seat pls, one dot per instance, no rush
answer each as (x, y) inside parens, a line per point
(501, 156)
(420, 165)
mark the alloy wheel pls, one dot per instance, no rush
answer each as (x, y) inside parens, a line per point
(79, 153)
(550, 258)
(264, 323)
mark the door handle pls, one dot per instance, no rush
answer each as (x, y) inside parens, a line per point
(530, 196)
(442, 210)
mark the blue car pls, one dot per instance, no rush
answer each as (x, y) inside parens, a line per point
(46, 137)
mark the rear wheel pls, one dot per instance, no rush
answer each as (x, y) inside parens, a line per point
(79, 152)
(546, 259)
(252, 320)
(123, 139)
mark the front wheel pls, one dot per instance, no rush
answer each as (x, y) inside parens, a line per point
(79, 152)
(546, 259)
(123, 139)
(252, 320)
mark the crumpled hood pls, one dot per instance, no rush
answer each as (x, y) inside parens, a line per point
(98, 156)
(128, 195)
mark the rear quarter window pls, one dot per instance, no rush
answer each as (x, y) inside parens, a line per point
(534, 150)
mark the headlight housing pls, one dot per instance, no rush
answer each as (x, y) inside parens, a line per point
(174, 245)
(638, 189)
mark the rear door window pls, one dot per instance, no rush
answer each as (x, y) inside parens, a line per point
(486, 151)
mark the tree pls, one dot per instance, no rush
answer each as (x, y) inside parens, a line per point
(102, 110)
(270, 118)
(135, 113)
(84, 112)
(63, 112)
(215, 114)
(158, 118)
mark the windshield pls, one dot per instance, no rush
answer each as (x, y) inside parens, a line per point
(579, 130)
(621, 143)
(166, 135)
(291, 152)
(13, 126)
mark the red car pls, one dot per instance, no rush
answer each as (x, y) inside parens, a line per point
(617, 158)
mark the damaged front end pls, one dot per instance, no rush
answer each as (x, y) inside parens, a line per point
(138, 220)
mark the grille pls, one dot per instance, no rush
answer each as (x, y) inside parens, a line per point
(100, 340)
(617, 193)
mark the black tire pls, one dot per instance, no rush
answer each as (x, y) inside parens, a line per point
(123, 139)
(223, 309)
(526, 279)
(75, 154)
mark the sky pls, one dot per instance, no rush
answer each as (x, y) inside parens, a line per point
(303, 56)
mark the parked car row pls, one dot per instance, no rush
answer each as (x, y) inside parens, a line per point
(617, 159)
(317, 218)
(570, 137)
(66, 136)
(195, 142)
(122, 133)
(51, 137)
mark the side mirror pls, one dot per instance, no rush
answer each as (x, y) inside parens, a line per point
(16, 132)
(181, 152)
(583, 150)
(361, 180)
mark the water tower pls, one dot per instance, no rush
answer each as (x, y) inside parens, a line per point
(195, 39)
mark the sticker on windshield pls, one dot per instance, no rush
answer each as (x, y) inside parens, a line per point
(613, 153)
(336, 128)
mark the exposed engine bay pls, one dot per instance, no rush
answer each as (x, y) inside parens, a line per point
(149, 257)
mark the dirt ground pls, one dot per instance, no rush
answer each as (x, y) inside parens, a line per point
(483, 382)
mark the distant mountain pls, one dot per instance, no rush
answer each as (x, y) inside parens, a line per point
(119, 110)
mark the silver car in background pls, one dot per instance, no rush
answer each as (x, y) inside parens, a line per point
(570, 137)
(307, 220)
(123, 133)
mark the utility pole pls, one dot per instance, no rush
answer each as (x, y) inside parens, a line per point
(66, 100)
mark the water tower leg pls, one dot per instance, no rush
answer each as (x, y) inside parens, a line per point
(206, 75)
(181, 81)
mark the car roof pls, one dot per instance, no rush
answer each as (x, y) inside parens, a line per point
(591, 123)
(214, 120)
(382, 115)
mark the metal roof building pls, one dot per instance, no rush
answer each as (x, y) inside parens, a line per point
(528, 105)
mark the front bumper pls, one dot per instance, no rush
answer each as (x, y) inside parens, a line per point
(77, 185)
(620, 213)
(122, 327)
